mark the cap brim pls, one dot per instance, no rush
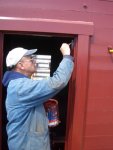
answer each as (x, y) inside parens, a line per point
(30, 52)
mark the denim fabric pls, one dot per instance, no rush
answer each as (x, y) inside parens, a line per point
(27, 126)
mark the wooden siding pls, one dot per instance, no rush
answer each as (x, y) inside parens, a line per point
(81, 17)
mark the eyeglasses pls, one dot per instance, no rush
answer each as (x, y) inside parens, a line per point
(32, 60)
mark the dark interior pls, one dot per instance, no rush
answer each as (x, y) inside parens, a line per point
(46, 45)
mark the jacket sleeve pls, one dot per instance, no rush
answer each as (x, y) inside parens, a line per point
(34, 92)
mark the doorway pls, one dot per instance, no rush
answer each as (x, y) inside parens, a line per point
(46, 45)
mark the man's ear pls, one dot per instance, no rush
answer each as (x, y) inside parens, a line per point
(20, 66)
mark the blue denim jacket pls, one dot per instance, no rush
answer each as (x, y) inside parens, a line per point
(27, 126)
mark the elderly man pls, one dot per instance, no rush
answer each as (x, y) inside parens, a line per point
(27, 126)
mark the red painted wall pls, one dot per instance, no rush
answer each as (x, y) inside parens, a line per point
(98, 120)
(1, 60)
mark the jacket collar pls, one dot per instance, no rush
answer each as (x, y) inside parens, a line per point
(11, 75)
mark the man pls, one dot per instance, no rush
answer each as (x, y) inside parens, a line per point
(27, 126)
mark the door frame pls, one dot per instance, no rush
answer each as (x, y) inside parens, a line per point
(78, 91)
(1, 64)
(79, 81)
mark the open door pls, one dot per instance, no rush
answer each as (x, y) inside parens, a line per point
(46, 45)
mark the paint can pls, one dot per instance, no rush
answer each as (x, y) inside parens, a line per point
(51, 107)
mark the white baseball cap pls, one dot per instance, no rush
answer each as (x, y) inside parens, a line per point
(16, 54)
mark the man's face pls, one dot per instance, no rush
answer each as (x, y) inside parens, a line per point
(28, 64)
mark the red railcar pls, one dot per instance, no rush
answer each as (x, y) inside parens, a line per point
(86, 104)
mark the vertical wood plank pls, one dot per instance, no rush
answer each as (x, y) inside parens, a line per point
(1, 67)
(71, 97)
(78, 124)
